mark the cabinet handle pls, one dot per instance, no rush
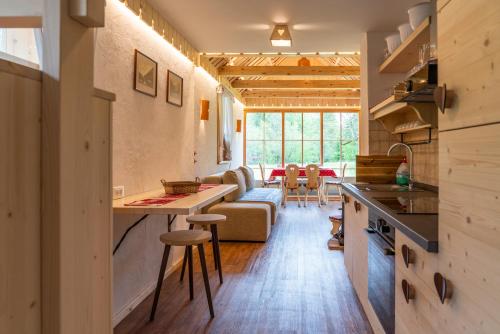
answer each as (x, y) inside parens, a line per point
(443, 287)
(443, 97)
(408, 255)
(357, 206)
(408, 291)
(346, 198)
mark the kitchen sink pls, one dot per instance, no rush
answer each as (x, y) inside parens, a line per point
(384, 187)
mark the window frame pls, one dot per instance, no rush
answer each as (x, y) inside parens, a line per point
(321, 140)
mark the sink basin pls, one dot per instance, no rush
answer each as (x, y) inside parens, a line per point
(384, 187)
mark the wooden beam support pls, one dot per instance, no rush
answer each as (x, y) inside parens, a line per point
(296, 84)
(232, 71)
(304, 109)
(298, 102)
(279, 54)
(332, 94)
(20, 22)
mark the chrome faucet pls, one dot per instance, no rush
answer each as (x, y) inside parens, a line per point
(393, 146)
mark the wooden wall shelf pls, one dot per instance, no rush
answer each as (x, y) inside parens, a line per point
(406, 55)
(392, 113)
(417, 128)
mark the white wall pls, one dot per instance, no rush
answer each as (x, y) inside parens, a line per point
(151, 140)
(375, 87)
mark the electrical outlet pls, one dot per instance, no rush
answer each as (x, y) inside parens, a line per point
(118, 192)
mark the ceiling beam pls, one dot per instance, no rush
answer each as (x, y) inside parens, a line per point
(303, 109)
(300, 102)
(278, 54)
(232, 71)
(295, 84)
(332, 94)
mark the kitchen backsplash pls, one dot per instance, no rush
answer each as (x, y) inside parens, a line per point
(426, 166)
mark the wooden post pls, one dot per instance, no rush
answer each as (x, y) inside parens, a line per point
(70, 201)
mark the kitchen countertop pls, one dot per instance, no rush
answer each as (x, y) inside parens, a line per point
(421, 228)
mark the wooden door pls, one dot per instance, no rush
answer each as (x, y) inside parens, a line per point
(469, 61)
(469, 165)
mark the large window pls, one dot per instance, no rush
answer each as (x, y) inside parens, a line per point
(275, 139)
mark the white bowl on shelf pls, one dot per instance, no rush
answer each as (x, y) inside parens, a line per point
(405, 31)
(393, 41)
(419, 13)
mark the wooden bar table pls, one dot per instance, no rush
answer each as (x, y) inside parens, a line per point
(183, 206)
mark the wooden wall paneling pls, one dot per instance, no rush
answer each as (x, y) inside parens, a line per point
(20, 200)
(469, 58)
(469, 226)
(74, 274)
(100, 213)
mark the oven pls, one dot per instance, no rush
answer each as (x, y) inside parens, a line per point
(381, 261)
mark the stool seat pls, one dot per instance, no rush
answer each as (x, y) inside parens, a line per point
(336, 217)
(206, 219)
(185, 237)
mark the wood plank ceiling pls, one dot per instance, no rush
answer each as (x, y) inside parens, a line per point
(276, 82)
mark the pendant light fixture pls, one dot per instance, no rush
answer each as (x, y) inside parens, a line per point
(281, 36)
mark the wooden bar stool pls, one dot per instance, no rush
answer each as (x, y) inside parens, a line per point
(184, 238)
(204, 220)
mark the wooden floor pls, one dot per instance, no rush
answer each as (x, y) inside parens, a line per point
(291, 284)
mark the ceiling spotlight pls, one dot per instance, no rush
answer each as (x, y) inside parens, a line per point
(281, 36)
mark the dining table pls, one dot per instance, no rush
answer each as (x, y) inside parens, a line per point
(323, 173)
(156, 202)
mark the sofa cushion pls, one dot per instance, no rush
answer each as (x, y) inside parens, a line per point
(269, 196)
(249, 177)
(213, 179)
(234, 177)
(244, 221)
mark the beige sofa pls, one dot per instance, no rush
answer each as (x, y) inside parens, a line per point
(250, 211)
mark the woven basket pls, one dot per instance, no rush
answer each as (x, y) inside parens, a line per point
(180, 187)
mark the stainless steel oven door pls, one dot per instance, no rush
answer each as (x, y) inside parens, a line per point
(381, 279)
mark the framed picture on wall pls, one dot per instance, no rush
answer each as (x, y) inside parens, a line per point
(145, 74)
(174, 89)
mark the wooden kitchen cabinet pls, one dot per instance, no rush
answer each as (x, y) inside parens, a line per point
(469, 227)
(469, 61)
(419, 314)
(469, 166)
(356, 254)
(356, 245)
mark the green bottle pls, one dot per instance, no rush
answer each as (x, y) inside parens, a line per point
(403, 174)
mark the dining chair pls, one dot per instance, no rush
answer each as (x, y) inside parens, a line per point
(313, 182)
(337, 182)
(291, 182)
(267, 183)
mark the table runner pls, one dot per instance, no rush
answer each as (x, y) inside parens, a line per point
(165, 199)
(302, 172)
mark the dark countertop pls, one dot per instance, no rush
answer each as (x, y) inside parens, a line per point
(421, 228)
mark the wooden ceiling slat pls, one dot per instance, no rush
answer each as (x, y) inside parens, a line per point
(288, 70)
(332, 84)
(343, 93)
